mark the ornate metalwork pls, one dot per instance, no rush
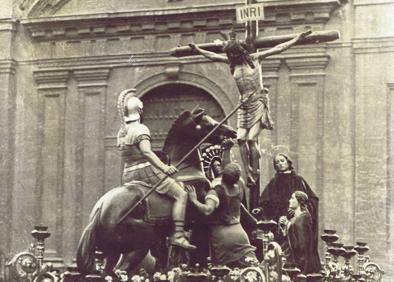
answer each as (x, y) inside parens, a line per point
(29, 265)
(338, 261)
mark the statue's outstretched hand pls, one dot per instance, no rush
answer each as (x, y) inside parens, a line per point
(283, 221)
(192, 46)
(170, 170)
(191, 192)
(227, 143)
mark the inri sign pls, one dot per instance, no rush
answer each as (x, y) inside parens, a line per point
(252, 12)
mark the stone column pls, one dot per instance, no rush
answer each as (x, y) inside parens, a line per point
(50, 167)
(7, 129)
(90, 142)
(268, 139)
(7, 151)
(390, 189)
(307, 91)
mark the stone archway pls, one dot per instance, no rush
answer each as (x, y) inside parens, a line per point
(164, 103)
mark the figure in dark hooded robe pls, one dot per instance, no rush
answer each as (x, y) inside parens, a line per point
(300, 249)
(276, 195)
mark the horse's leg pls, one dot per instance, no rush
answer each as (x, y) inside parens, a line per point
(200, 238)
(110, 262)
(160, 252)
(133, 260)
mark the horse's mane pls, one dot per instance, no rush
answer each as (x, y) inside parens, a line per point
(172, 133)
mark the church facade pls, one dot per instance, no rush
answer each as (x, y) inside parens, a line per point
(64, 62)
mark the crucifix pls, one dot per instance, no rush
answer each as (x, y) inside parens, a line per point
(244, 61)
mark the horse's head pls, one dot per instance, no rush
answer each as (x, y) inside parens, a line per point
(192, 126)
(203, 124)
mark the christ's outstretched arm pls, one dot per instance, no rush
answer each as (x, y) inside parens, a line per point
(280, 47)
(210, 55)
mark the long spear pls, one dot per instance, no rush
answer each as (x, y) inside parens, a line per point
(151, 190)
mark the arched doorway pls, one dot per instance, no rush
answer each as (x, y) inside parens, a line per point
(163, 104)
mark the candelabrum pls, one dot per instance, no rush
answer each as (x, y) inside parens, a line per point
(347, 270)
(272, 253)
(328, 237)
(366, 270)
(40, 233)
(361, 249)
(336, 250)
(335, 270)
(291, 272)
(29, 265)
(266, 236)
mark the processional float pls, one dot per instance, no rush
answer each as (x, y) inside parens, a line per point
(341, 264)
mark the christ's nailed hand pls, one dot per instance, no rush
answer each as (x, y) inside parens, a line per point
(305, 34)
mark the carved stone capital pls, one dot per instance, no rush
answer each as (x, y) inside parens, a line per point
(390, 85)
(271, 65)
(172, 70)
(8, 24)
(51, 79)
(96, 77)
(307, 63)
(7, 66)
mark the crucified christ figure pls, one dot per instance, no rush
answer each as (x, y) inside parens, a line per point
(254, 114)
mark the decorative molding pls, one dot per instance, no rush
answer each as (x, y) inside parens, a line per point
(373, 45)
(307, 62)
(175, 20)
(371, 2)
(96, 77)
(172, 70)
(311, 11)
(127, 24)
(197, 80)
(390, 85)
(8, 24)
(271, 65)
(51, 79)
(39, 7)
(8, 66)
(110, 142)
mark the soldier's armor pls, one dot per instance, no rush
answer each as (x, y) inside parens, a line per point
(136, 167)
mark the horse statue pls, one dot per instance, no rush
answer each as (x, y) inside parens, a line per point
(146, 227)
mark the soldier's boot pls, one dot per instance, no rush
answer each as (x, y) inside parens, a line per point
(179, 239)
(178, 215)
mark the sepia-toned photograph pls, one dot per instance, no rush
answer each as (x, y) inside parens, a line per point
(197, 140)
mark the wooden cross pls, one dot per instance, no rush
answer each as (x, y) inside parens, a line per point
(251, 31)
(254, 42)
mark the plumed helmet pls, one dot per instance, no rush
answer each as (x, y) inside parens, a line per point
(133, 107)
